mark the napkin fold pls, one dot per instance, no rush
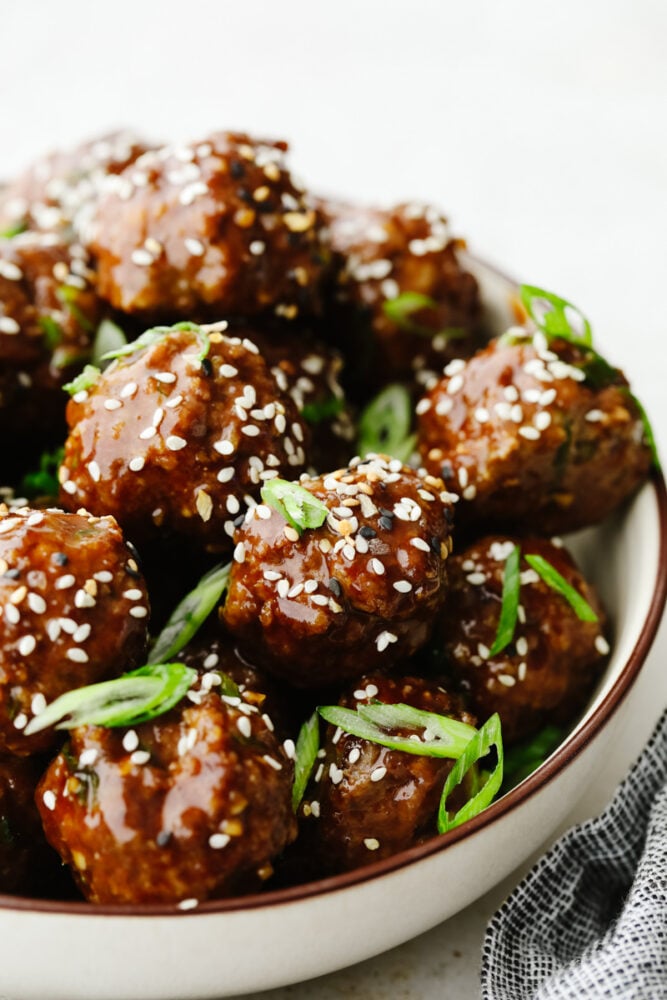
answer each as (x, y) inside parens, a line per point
(590, 919)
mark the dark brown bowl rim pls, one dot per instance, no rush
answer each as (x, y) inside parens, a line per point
(570, 749)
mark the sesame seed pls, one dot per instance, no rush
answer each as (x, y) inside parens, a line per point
(594, 416)
(522, 670)
(218, 840)
(140, 757)
(77, 655)
(36, 603)
(194, 247)
(455, 385)
(542, 420)
(481, 415)
(188, 904)
(290, 533)
(443, 406)
(82, 633)
(376, 566)
(225, 475)
(87, 757)
(530, 433)
(419, 543)
(507, 680)
(37, 703)
(8, 325)
(371, 843)
(138, 611)
(82, 599)
(94, 470)
(384, 639)
(142, 257)
(136, 464)
(476, 579)
(335, 774)
(601, 645)
(522, 646)
(403, 586)
(130, 740)
(65, 582)
(244, 726)
(175, 443)
(112, 404)
(378, 773)
(272, 762)
(148, 433)
(49, 799)
(204, 505)
(239, 553)
(129, 390)
(26, 645)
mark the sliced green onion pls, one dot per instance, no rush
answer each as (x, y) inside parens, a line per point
(447, 737)
(401, 310)
(299, 507)
(318, 412)
(488, 736)
(556, 316)
(510, 602)
(87, 378)
(15, 230)
(190, 614)
(136, 697)
(553, 579)
(384, 425)
(154, 336)
(228, 687)
(108, 339)
(524, 758)
(53, 333)
(69, 295)
(307, 746)
(44, 480)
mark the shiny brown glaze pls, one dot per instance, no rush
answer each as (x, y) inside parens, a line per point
(547, 672)
(363, 589)
(385, 253)
(75, 610)
(56, 192)
(217, 227)
(366, 802)
(524, 434)
(171, 443)
(48, 309)
(26, 860)
(191, 806)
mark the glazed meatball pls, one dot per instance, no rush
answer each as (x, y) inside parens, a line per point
(365, 801)
(546, 674)
(215, 228)
(389, 253)
(531, 438)
(362, 589)
(56, 192)
(190, 806)
(26, 860)
(48, 308)
(178, 436)
(74, 611)
(309, 371)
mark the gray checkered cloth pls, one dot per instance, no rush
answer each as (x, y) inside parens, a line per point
(590, 920)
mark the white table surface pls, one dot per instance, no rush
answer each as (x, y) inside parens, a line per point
(541, 129)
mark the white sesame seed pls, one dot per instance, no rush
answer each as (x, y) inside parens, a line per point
(225, 474)
(129, 390)
(112, 404)
(194, 247)
(94, 470)
(136, 464)
(77, 655)
(419, 543)
(82, 599)
(481, 415)
(335, 774)
(8, 325)
(443, 406)
(88, 757)
(530, 433)
(49, 799)
(36, 603)
(188, 904)
(376, 566)
(455, 385)
(250, 430)
(403, 586)
(594, 416)
(175, 443)
(140, 757)
(483, 650)
(142, 257)
(228, 371)
(371, 843)
(165, 377)
(272, 762)
(507, 680)
(218, 840)
(147, 433)
(12, 614)
(37, 703)
(522, 670)
(384, 639)
(65, 582)
(476, 578)
(529, 576)
(239, 553)
(455, 367)
(542, 420)
(82, 633)
(138, 611)
(130, 740)
(378, 773)
(244, 726)
(522, 646)
(601, 645)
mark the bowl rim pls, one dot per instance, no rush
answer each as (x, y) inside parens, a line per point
(566, 752)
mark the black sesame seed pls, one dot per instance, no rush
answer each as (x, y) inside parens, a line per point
(132, 569)
(447, 471)
(386, 523)
(12, 574)
(60, 559)
(163, 838)
(386, 513)
(435, 544)
(335, 587)
(244, 195)
(206, 366)
(367, 532)
(264, 207)
(237, 170)
(238, 521)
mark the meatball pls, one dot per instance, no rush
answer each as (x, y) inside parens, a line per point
(388, 255)
(532, 437)
(27, 863)
(216, 227)
(365, 801)
(309, 371)
(546, 674)
(74, 612)
(190, 806)
(178, 436)
(363, 588)
(48, 308)
(56, 192)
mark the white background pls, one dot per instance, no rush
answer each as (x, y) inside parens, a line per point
(541, 130)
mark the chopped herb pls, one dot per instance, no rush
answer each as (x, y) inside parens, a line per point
(154, 336)
(43, 482)
(553, 579)
(87, 378)
(401, 310)
(69, 295)
(228, 687)
(190, 614)
(6, 835)
(556, 316)
(307, 745)
(108, 339)
(446, 737)
(129, 700)
(53, 332)
(15, 230)
(326, 409)
(510, 602)
(299, 507)
(479, 746)
(384, 425)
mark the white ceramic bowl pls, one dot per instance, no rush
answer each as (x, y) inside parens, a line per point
(53, 950)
